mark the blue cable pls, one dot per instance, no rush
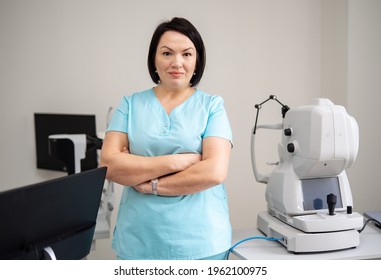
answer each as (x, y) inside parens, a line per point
(251, 238)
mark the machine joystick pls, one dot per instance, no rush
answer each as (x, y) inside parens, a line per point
(331, 201)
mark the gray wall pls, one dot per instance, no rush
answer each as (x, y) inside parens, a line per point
(82, 56)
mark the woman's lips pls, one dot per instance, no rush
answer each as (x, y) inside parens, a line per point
(176, 74)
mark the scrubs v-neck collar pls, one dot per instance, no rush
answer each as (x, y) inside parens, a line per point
(176, 108)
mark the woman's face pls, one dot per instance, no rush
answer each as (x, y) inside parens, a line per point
(175, 60)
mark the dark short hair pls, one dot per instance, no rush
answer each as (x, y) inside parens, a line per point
(186, 28)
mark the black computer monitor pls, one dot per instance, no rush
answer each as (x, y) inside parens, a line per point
(58, 215)
(47, 124)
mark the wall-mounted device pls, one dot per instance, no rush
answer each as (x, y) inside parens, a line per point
(55, 154)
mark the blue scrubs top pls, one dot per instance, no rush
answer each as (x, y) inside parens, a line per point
(182, 227)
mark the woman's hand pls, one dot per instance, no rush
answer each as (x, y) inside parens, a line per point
(144, 187)
(186, 160)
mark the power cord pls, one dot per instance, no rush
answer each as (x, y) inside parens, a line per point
(251, 238)
(377, 223)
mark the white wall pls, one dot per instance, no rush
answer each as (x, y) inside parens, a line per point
(334, 56)
(82, 56)
(364, 98)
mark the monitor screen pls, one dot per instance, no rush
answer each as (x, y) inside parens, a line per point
(315, 193)
(59, 214)
(49, 124)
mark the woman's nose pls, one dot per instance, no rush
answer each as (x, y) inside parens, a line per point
(177, 61)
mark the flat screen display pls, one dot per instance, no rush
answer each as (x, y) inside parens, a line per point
(60, 213)
(315, 193)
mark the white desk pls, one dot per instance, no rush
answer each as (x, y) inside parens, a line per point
(369, 248)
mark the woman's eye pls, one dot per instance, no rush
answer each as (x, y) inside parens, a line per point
(166, 53)
(187, 54)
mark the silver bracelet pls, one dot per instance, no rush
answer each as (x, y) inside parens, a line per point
(154, 186)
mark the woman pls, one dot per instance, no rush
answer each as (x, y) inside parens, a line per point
(170, 145)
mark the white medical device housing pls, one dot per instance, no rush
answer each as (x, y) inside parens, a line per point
(319, 142)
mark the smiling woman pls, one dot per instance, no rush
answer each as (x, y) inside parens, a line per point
(170, 146)
(175, 60)
(193, 39)
(175, 63)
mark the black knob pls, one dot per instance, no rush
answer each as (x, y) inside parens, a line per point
(290, 147)
(331, 201)
(288, 132)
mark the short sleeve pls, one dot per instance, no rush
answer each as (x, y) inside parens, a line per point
(218, 123)
(119, 119)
